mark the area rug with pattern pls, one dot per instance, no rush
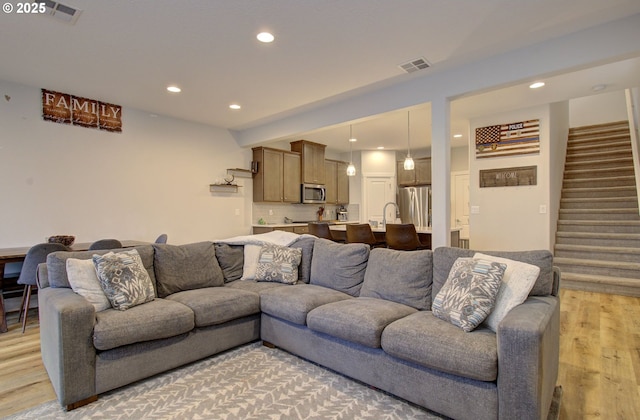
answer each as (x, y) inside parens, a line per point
(249, 382)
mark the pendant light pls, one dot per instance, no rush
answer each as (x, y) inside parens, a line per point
(351, 169)
(408, 161)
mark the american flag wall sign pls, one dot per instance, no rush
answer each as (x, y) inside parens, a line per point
(520, 138)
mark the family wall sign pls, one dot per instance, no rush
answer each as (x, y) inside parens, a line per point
(64, 108)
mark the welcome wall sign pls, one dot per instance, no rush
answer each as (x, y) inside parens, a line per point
(63, 108)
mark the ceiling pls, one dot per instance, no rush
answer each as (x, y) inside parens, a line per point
(127, 52)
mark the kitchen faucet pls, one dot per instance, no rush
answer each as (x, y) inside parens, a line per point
(384, 213)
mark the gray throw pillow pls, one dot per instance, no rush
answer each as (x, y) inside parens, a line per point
(339, 266)
(124, 279)
(231, 260)
(469, 293)
(186, 267)
(305, 243)
(399, 276)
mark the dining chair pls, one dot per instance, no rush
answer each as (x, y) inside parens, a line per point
(403, 237)
(105, 244)
(162, 239)
(321, 230)
(37, 254)
(361, 233)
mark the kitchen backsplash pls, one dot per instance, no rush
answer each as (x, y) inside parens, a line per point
(276, 212)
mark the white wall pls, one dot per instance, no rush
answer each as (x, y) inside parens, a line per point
(509, 217)
(558, 137)
(152, 178)
(598, 109)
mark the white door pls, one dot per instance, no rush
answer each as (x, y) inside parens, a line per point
(460, 202)
(377, 192)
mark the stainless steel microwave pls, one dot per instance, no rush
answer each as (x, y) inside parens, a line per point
(313, 194)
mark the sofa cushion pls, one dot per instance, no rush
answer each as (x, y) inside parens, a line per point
(231, 259)
(293, 303)
(516, 284)
(152, 321)
(186, 267)
(305, 243)
(359, 320)
(423, 339)
(399, 276)
(124, 279)
(444, 257)
(57, 263)
(339, 266)
(84, 281)
(470, 292)
(217, 305)
(278, 264)
(253, 285)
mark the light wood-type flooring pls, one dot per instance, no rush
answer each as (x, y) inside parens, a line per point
(599, 359)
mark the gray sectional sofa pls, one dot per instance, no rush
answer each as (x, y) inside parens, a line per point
(363, 313)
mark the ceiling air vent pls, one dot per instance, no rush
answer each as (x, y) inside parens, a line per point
(61, 11)
(415, 65)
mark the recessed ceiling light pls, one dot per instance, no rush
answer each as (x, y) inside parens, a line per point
(380, 147)
(352, 140)
(235, 106)
(536, 85)
(174, 89)
(265, 37)
(598, 88)
(457, 136)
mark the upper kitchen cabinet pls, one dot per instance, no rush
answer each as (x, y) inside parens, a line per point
(278, 176)
(312, 154)
(337, 182)
(421, 175)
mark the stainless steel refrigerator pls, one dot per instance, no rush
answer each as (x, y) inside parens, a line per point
(415, 205)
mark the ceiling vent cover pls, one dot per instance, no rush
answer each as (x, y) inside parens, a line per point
(61, 11)
(415, 65)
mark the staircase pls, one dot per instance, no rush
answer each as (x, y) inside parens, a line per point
(598, 236)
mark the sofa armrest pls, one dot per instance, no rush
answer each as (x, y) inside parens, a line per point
(66, 342)
(528, 358)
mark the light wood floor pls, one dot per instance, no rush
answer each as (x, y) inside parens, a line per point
(599, 359)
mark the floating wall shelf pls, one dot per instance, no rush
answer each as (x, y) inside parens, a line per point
(223, 187)
(242, 173)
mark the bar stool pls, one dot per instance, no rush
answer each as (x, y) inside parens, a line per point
(361, 233)
(321, 230)
(403, 237)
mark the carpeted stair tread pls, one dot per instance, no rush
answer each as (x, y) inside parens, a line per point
(600, 172)
(621, 161)
(600, 222)
(622, 265)
(631, 211)
(590, 180)
(592, 235)
(612, 250)
(602, 280)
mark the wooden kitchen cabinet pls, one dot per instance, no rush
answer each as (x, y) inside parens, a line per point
(312, 164)
(421, 175)
(337, 182)
(278, 176)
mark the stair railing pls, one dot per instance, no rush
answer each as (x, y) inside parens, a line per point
(632, 113)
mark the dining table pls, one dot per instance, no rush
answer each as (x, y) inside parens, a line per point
(18, 254)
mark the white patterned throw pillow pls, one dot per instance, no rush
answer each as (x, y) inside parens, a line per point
(469, 293)
(124, 279)
(278, 264)
(517, 282)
